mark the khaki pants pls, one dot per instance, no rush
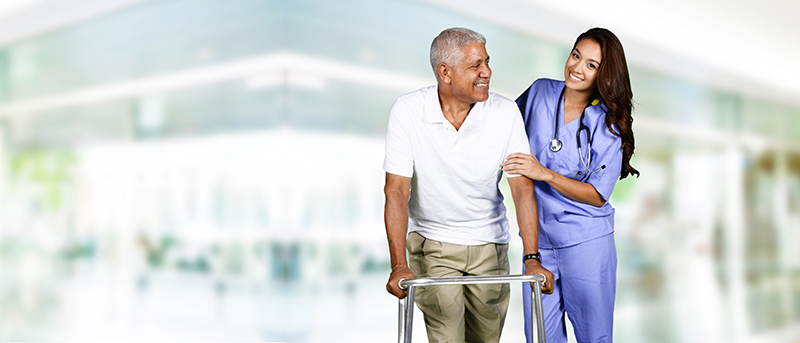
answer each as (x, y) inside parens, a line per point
(460, 313)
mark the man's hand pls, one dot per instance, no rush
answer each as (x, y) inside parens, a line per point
(534, 267)
(399, 273)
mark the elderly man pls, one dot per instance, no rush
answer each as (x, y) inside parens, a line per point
(444, 148)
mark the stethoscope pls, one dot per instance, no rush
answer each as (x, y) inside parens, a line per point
(555, 144)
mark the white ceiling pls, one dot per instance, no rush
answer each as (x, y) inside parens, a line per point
(745, 46)
(20, 19)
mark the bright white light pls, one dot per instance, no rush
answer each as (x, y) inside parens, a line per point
(265, 80)
(9, 6)
(728, 44)
(286, 77)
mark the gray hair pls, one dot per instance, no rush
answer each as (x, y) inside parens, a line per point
(446, 47)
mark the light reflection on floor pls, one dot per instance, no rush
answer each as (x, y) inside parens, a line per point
(99, 303)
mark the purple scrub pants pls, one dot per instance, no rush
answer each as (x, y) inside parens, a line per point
(585, 286)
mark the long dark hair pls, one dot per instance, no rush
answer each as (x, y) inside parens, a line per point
(614, 89)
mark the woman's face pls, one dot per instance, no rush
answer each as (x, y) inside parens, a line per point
(582, 65)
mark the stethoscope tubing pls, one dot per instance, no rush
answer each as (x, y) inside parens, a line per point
(556, 144)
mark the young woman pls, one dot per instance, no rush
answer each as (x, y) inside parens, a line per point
(581, 143)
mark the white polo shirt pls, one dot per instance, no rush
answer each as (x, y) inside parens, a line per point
(454, 192)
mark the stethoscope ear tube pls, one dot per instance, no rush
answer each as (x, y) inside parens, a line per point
(555, 144)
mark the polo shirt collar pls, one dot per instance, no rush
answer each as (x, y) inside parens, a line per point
(433, 110)
(433, 113)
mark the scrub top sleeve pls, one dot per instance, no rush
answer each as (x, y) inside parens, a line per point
(399, 158)
(609, 155)
(522, 103)
(517, 139)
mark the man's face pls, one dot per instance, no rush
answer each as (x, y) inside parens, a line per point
(470, 77)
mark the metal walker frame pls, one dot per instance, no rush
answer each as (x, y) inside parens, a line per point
(406, 312)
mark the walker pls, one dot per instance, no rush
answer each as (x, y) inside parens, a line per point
(406, 312)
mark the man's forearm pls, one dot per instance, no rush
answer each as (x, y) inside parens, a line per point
(396, 220)
(527, 219)
(527, 212)
(395, 217)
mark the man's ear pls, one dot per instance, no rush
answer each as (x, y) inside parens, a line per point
(443, 70)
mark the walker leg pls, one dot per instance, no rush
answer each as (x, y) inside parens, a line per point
(407, 315)
(537, 313)
(401, 325)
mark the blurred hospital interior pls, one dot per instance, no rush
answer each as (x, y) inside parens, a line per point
(210, 170)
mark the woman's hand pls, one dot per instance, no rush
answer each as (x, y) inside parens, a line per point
(528, 165)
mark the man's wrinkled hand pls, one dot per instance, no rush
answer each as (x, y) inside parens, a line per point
(534, 267)
(399, 273)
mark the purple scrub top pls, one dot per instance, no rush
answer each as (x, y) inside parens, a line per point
(564, 222)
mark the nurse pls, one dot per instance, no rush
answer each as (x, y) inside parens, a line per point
(581, 143)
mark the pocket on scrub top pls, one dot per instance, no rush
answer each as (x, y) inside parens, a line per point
(571, 166)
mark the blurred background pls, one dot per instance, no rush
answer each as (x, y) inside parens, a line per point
(208, 170)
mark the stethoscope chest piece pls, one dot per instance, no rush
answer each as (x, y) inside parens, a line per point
(555, 145)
